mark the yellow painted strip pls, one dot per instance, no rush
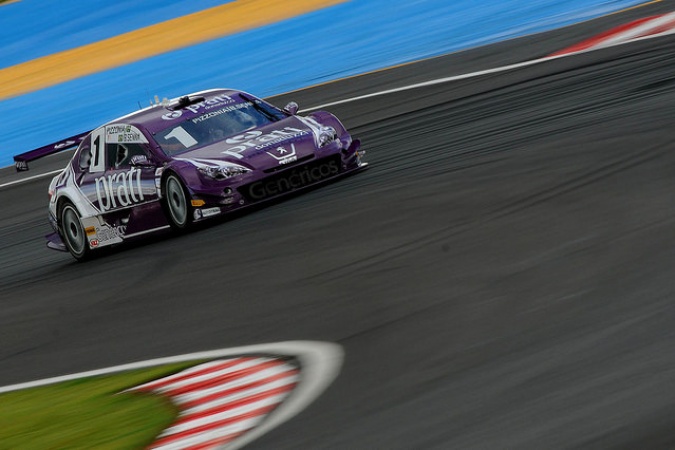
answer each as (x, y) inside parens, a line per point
(638, 6)
(140, 44)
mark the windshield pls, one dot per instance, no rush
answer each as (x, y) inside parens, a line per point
(216, 125)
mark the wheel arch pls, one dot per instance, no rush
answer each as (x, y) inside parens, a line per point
(61, 202)
(179, 172)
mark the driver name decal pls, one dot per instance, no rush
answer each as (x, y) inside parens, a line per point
(124, 134)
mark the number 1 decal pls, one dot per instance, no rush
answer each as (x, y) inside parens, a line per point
(97, 151)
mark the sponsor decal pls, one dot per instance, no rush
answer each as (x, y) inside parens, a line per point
(107, 233)
(100, 235)
(119, 189)
(208, 212)
(213, 102)
(21, 166)
(283, 155)
(116, 129)
(257, 140)
(225, 110)
(172, 115)
(289, 181)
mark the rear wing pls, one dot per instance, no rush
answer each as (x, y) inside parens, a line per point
(21, 161)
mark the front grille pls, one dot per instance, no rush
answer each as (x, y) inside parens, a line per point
(291, 179)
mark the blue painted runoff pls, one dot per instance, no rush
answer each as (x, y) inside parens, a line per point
(348, 39)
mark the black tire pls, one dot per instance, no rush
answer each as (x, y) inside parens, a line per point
(177, 205)
(72, 232)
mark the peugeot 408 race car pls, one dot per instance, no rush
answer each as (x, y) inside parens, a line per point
(186, 160)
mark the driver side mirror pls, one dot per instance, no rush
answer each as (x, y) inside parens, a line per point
(291, 108)
(140, 161)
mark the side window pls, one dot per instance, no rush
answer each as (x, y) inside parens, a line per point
(119, 155)
(122, 142)
(84, 151)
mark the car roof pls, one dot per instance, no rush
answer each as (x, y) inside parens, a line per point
(158, 116)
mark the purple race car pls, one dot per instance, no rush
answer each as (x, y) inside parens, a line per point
(187, 160)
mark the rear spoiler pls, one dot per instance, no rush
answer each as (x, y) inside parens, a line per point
(21, 161)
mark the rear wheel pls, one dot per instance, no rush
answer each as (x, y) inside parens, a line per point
(72, 232)
(176, 203)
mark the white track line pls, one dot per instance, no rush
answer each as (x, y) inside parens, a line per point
(34, 177)
(476, 74)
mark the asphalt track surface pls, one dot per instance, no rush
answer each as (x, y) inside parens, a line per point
(500, 278)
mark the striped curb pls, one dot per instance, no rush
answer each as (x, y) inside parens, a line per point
(231, 396)
(648, 26)
(221, 400)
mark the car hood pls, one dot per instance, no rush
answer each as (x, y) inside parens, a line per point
(278, 143)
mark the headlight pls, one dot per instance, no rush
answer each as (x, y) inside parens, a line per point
(326, 136)
(223, 172)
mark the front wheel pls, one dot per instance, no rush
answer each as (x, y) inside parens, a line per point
(176, 203)
(72, 232)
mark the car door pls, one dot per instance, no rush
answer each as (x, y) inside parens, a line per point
(120, 175)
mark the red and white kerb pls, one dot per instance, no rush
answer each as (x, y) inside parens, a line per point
(641, 28)
(220, 401)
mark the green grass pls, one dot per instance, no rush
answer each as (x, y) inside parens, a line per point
(88, 413)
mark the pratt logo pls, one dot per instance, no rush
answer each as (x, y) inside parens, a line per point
(259, 141)
(283, 156)
(211, 103)
(172, 115)
(214, 102)
(122, 188)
